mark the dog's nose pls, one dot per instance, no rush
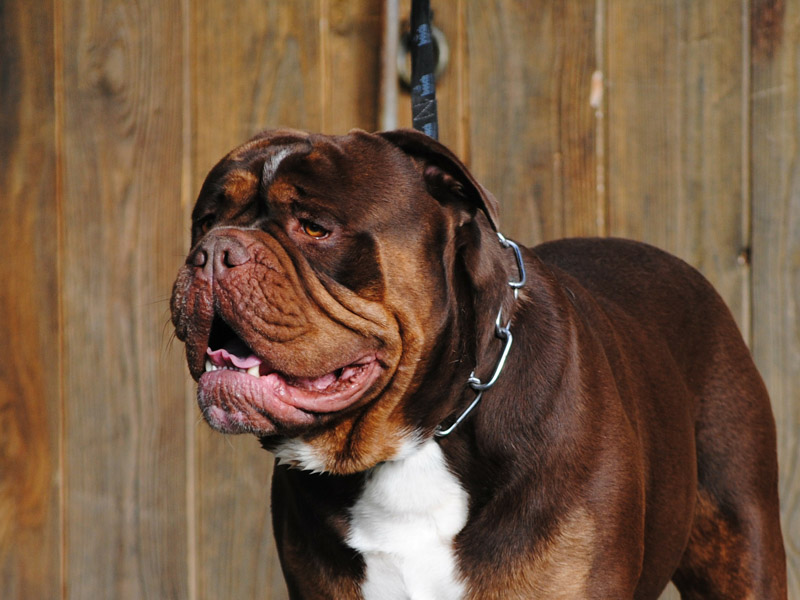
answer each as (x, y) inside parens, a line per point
(218, 254)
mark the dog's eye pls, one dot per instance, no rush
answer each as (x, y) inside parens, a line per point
(204, 224)
(313, 230)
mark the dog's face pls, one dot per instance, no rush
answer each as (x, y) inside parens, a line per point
(317, 284)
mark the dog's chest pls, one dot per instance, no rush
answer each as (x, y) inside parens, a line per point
(404, 524)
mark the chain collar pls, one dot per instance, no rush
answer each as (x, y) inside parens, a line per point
(503, 332)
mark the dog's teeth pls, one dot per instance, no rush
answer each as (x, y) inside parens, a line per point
(254, 371)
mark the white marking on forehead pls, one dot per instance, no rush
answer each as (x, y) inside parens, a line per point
(273, 162)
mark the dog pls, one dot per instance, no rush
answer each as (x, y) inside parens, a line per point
(458, 417)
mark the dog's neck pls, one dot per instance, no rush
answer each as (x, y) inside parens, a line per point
(502, 331)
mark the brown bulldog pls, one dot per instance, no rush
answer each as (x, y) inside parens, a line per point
(458, 418)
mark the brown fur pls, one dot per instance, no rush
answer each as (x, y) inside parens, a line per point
(240, 184)
(559, 569)
(628, 441)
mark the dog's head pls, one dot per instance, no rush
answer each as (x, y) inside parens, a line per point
(320, 280)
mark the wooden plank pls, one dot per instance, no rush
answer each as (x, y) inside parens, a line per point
(642, 89)
(255, 65)
(713, 232)
(30, 410)
(676, 166)
(532, 132)
(512, 133)
(582, 203)
(775, 179)
(125, 450)
(351, 52)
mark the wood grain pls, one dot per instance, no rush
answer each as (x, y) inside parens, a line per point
(30, 410)
(255, 65)
(352, 57)
(124, 445)
(776, 242)
(531, 127)
(677, 170)
(513, 139)
(582, 203)
(643, 97)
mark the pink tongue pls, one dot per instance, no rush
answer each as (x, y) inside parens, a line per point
(235, 353)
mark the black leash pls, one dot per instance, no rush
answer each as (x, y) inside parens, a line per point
(424, 115)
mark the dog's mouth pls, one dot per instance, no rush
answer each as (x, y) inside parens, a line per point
(241, 392)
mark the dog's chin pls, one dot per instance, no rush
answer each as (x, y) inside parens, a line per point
(236, 399)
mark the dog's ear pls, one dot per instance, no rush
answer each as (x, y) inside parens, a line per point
(443, 171)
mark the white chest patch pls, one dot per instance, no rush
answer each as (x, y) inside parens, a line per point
(404, 524)
(300, 455)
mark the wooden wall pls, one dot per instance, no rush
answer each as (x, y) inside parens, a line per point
(670, 121)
